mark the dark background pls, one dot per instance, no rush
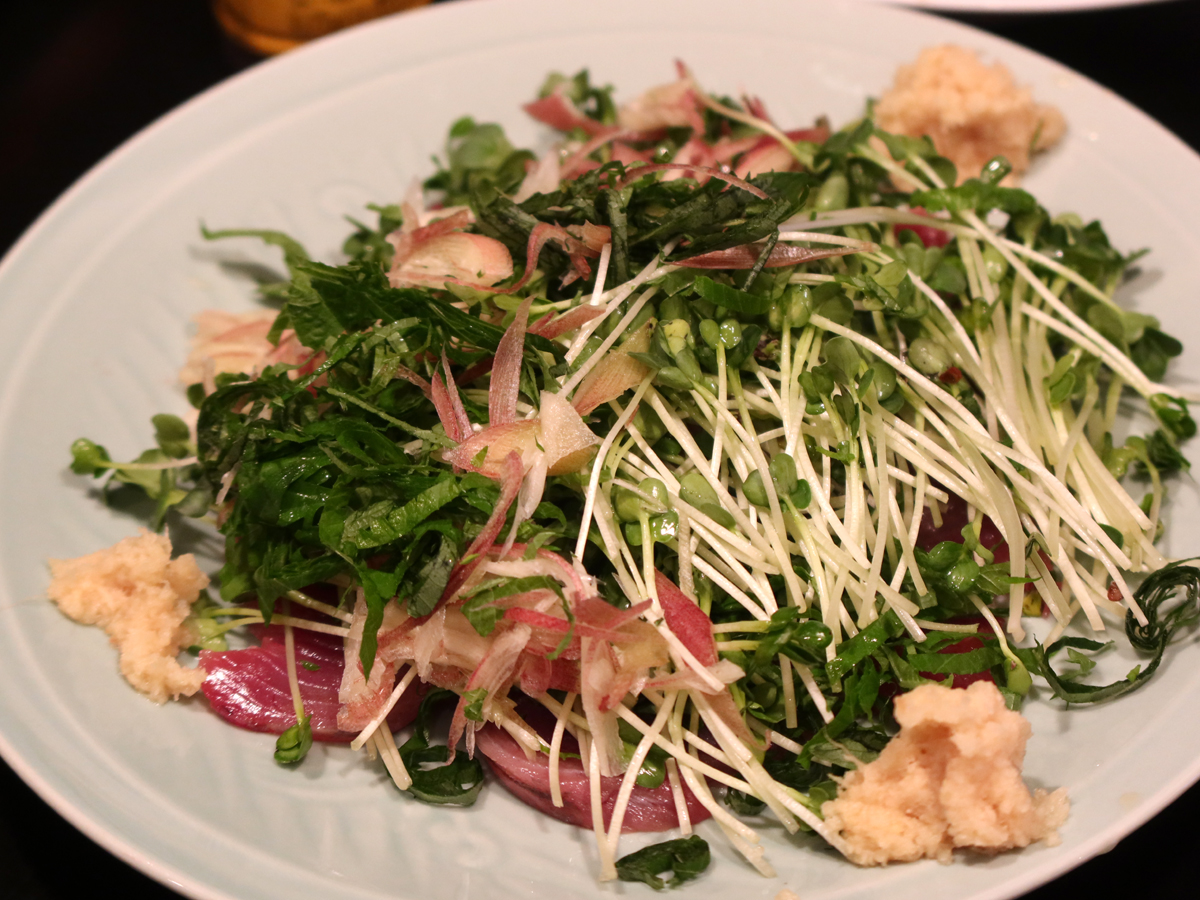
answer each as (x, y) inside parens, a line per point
(78, 77)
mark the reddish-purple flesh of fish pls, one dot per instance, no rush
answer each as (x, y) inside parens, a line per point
(249, 687)
(650, 809)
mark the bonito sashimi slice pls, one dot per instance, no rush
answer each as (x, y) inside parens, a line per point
(650, 809)
(249, 688)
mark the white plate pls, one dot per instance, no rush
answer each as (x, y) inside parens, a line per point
(94, 303)
(1016, 6)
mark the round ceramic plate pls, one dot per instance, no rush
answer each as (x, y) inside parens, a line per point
(94, 306)
(1016, 6)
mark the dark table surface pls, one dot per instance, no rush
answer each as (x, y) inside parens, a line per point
(78, 77)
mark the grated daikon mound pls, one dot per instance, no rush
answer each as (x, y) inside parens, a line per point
(141, 597)
(951, 778)
(971, 111)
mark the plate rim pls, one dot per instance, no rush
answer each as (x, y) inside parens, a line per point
(90, 823)
(1016, 7)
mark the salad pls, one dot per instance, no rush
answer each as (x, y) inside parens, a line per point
(664, 462)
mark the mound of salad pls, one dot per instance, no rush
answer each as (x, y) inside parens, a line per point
(665, 465)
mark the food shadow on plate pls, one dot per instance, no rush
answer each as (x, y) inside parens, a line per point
(239, 267)
(198, 538)
(128, 503)
(1131, 295)
(123, 500)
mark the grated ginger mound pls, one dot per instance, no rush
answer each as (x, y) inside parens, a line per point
(141, 597)
(971, 111)
(950, 778)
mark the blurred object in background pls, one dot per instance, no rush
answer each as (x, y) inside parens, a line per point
(273, 26)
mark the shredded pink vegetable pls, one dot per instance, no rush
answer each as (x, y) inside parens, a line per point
(506, 374)
(745, 256)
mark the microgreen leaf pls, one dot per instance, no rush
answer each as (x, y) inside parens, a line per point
(293, 745)
(731, 298)
(977, 195)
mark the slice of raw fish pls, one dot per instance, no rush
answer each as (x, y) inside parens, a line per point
(249, 687)
(650, 809)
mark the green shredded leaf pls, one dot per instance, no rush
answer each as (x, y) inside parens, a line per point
(1153, 637)
(434, 780)
(473, 704)
(686, 858)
